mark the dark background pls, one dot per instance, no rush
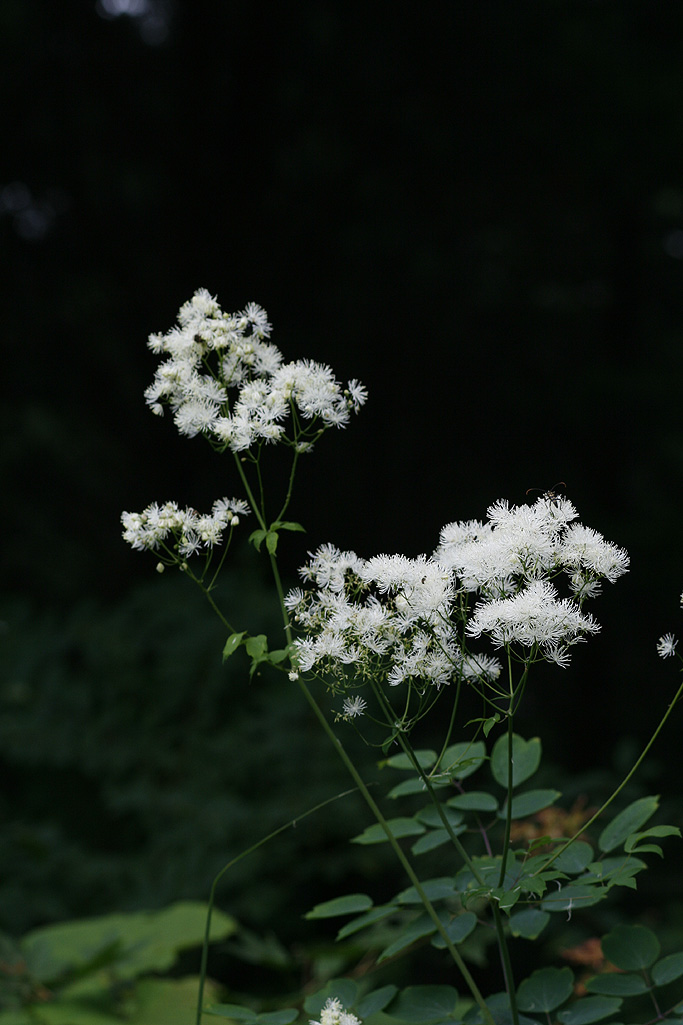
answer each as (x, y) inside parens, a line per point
(476, 209)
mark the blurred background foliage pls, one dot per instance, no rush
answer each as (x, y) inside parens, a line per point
(477, 209)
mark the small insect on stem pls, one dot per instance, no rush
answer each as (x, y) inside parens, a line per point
(552, 494)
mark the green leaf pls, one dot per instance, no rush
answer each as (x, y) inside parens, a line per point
(633, 843)
(287, 525)
(631, 947)
(526, 757)
(575, 858)
(256, 646)
(462, 759)
(476, 800)
(668, 969)
(425, 1005)
(499, 1006)
(545, 989)
(529, 924)
(350, 904)
(627, 822)
(436, 889)
(490, 723)
(457, 930)
(644, 848)
(376, 1001)
(141, 941)
(363, 921)
(232, 644)
(414, 786)
(573, 897)
(617, 984)
(271, 541)
(430, 816)
(508, 898)
(589, 1009)
(531, 802)
(417, 930)
(613, 870)
(399, 827)
(425, 759)
(256, 538)
(432, 839)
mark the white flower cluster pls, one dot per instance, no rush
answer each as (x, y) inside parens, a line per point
(211, 352)
(388, 616)
(509, 561)
(404, 618)
(333, 1013)
(189, 530)
(533, 616)
(522, 543)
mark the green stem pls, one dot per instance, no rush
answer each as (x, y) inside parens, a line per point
(409, 750)
(252, 501)
(358, 780)
(429, 907)
(621, 786)
(507, 963)
(281, 596)
(290, 485)
(497, 917)
(244, 854)
(502, 942)
(206, 591)
(508, 809)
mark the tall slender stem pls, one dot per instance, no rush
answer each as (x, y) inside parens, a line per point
(360, 783)
(429, 907)
(258, 513)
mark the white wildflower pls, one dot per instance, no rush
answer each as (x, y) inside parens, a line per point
(357, 394)
(520, 544)
(354, 707)
(586, 549)
(211, 354)
(666, 645)
(333, 1013)
(534, 616)
(186, 529)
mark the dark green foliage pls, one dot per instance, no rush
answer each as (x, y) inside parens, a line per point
(137, 764)
(100, 971)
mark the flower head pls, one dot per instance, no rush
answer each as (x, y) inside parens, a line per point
(666, 645)
(187, 530)
(354, 707)
(520, 544)
(334, 1014)
(533, 616)
(223, 378)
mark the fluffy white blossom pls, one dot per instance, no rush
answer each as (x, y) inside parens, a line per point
(666, 645)
(520, 544)
(533, 616)
(401, 619)
(188, 530)
(354, 707)
(222, 378)
(333, 1013)
(388, 616)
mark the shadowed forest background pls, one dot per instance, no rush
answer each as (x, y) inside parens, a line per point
(475, 209)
